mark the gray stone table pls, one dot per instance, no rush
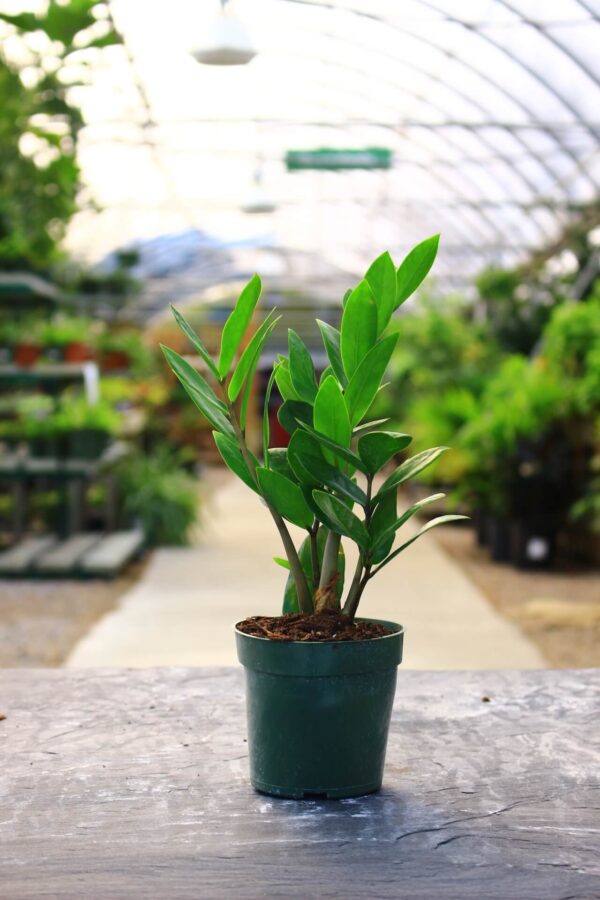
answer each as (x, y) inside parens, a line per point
(132, 784)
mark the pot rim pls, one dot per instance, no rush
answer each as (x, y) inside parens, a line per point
(398, 629)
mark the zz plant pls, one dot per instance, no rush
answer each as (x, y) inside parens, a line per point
(327, 482)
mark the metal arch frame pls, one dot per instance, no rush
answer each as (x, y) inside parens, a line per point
(436, 176)
(531, 186)
(564, 101)
(327, 4)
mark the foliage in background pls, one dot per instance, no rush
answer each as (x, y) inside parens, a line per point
(39, 126)
(160, 497)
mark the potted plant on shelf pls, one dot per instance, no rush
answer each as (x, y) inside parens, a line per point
(68, 338)
(320, 681)
(87, 428)
(27, 346)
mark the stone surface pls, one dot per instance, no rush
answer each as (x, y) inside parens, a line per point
(183, 609)
(133, 784)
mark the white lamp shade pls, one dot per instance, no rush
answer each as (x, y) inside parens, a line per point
(227, 43)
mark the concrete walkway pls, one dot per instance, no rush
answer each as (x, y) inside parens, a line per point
(182, 610)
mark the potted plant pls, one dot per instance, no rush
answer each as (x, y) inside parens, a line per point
(122, 350)
(87, 427)
(320, 680)
(68, 338)
(27, 347)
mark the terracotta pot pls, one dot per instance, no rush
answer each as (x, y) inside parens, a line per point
(27, 354)
(76, 352)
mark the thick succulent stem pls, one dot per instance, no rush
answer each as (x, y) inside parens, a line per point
(326, 596)
(314, 555)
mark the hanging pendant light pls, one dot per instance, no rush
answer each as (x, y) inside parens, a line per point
(227, 42)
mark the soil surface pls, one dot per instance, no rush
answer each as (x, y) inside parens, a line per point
(325, 626)
(559, 609)
(41, 621)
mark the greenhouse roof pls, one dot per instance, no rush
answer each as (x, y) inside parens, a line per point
(490, 111)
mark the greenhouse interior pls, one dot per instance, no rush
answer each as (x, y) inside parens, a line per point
(210, 212)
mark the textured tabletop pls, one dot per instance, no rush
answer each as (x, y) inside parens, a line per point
(133, 784)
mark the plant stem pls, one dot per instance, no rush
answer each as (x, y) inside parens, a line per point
(330, 559)
(305, 601)
(362, 566)
(314, 554)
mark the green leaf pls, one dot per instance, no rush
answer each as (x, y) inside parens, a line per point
(199, 390)
(266, 428)
(377, 447)
(331, 341)
(441, 520)
(301, 368)
(381, 520)
(277, 459)
(344, 519)
(415, 267)
(393, 527)
(364, 384)
(381, 278)
(367, 425)
(326, 373)
(283, 380)
(286, 497)
(311, 468)
(359, 327)
(249, 358)
(233, 458)
(411, 467)
(281, 562)
(292, 412)
(195, 342)
(250, 376)
(342, 452)
(330, 415)
(237, 323)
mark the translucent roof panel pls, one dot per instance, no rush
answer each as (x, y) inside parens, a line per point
(491, 109)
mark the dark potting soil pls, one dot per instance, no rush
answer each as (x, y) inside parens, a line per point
(326, 626)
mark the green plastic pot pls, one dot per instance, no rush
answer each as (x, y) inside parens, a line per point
(319, 713)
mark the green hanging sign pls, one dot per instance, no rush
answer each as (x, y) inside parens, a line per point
(335, 160)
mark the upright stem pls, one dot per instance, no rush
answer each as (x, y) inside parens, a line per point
(363, 567)
(330, 559)
(305, 601)
(314, 554)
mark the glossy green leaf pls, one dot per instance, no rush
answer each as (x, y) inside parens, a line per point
(359, 327)
(382, 519)
(330, 415)
(415, 268)
(342, 453)
(441, 520)
(393, 527)
(237, 323)
(247, 392)
(283, 380)
(249, 358)
(266, 427)
(195, 342)
(331, 341)
(301, 368)
(282, 562)
(377, 447)
(411, 467)
(292, 412)
(365, 382)
(311, 468)
(381, 278)
(325, 374)
(365, 426)
(233, 458)
(277, 459)
(285, 496)
(345, 521)
(199, 391)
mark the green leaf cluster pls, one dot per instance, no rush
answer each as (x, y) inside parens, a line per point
(328, 481)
